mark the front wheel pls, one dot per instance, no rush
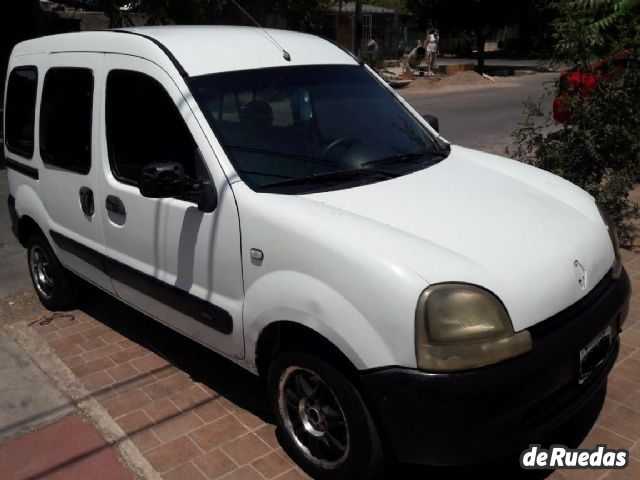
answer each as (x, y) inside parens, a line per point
(325, 426)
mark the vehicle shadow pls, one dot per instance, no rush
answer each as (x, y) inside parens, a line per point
(211, 369)
(248, 392)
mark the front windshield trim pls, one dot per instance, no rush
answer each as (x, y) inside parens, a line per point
(440, 147)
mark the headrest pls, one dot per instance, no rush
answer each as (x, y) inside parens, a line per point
(256, 113)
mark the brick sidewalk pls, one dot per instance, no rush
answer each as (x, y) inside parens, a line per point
(194, 415)
(185, 428)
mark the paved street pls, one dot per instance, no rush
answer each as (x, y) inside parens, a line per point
(482, 117)
(14, 276)
(27, 398)
(70, 448)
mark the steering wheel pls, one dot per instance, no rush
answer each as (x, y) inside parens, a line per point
(345, 142)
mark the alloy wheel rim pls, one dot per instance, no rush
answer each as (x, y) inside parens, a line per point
(313, 417)
(40, 267)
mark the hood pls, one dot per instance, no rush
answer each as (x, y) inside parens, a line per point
(518, 231)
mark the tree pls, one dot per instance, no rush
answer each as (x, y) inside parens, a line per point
(599, 150)
(479, 17)
(303, 15)
(20, 20)
(586, 30)
(159, 12)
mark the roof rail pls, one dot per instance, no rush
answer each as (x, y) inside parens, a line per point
(183, 73)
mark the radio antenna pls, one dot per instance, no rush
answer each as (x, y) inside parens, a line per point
(285, 54)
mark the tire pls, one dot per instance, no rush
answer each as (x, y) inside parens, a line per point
(310, 399)
(51, 281)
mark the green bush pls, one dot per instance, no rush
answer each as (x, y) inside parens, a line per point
(600, 149)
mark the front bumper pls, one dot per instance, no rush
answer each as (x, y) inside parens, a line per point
(479, 415)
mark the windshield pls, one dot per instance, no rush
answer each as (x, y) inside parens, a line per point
(313, 128)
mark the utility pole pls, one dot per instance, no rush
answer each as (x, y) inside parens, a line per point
(358, 32)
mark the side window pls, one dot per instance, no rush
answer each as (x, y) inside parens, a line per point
(144, 126)
(65, 119)
(21, 110)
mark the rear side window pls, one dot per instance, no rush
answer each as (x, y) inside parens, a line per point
(21, 110)
(65, 119)
(144, 126)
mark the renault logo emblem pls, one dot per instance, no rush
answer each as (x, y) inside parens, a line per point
(581, 274)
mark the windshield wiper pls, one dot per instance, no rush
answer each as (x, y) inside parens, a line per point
(264, 174)
(434, 156)
(329, 176)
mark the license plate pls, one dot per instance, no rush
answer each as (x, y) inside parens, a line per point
(594, 354)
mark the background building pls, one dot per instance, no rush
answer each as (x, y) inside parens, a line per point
(377, 22)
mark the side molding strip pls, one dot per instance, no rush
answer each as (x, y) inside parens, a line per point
(194, 307)
(84, 253)
(204, 312)
(23, 169)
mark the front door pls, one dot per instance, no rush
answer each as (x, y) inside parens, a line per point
(165, 256)
(69, 152)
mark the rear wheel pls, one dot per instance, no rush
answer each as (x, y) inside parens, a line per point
(50, 280)
(324, 424)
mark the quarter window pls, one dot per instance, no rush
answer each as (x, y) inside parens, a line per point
(21, 110)
(144, 126)
(65, 119)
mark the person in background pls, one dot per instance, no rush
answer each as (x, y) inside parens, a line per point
(431, 47)
(372, 47)
(415, 57)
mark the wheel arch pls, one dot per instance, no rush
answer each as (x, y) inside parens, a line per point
(31, 213)
(284, 335)
(27, 227)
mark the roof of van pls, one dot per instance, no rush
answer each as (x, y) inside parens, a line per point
(198, 50)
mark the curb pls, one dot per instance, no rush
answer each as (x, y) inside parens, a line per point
(65, 380)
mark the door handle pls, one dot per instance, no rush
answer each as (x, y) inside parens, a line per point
(86, 201)
(115, 205)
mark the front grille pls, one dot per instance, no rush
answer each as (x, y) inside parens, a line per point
(573, 311)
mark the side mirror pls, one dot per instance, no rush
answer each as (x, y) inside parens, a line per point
(432, 121)
(162, 180)
(168, 180)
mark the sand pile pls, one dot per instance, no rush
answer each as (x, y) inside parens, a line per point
(468, 78)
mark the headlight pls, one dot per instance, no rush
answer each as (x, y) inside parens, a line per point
(460, 326)
(613, 235)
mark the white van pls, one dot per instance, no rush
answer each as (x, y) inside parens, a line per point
(270, 197)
